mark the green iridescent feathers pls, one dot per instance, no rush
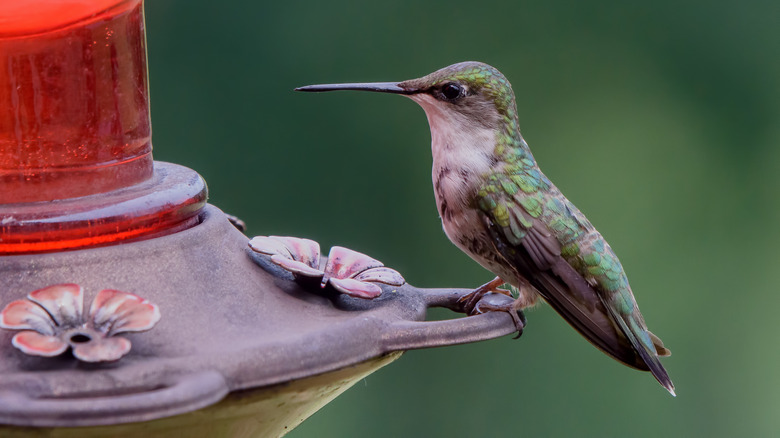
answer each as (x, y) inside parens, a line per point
(517, 197)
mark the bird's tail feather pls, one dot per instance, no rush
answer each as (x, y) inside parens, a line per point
(648, 355)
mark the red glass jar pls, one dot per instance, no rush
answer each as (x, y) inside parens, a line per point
(75, 131)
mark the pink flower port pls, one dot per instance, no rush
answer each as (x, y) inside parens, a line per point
(349, 272)
(51, 320)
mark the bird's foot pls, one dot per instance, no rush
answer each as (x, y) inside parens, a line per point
(493, 302)
(490, 298)
(470, 300)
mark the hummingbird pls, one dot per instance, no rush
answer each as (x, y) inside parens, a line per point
(498, 207)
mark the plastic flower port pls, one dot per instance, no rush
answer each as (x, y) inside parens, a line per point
(52, 320)
(347, 271)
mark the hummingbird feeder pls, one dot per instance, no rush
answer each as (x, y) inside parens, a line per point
(130, 306)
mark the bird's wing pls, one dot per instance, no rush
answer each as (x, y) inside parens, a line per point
(536, 256)
(609, 320)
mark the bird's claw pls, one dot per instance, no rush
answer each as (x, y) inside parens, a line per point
(490, 298)
(470, 300)
(494, 302)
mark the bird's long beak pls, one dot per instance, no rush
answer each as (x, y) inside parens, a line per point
(381, 87)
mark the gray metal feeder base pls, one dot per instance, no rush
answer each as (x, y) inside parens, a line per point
(234, 338)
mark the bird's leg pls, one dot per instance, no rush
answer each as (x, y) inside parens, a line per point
(471, 299)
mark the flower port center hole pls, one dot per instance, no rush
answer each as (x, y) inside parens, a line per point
(80, 338)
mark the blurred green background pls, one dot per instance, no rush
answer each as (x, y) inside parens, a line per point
(658, 119)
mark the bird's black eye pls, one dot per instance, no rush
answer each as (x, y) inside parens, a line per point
(451, 91)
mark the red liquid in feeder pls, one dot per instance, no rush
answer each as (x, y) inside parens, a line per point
(76, 165)
(74, 101)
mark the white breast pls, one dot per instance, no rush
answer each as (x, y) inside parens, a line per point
(462, 151)
(462, 158)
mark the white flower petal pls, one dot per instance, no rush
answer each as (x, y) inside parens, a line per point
(64, 302)
(345, 263)
(36, 344)
(102, 349)
(114, 311)
(296, 267)
(268, 245)
(25, 314)
(355, 288)
(303, 250)
(382, 275)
